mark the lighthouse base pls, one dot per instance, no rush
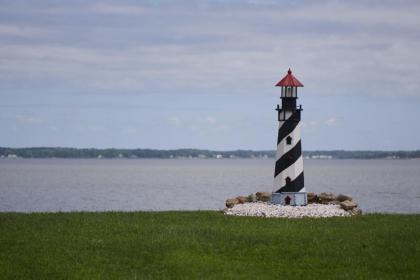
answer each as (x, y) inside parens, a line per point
(290, 198)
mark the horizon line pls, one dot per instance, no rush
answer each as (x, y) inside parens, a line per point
(204, 149)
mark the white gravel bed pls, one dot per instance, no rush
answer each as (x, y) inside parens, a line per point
(262, 209)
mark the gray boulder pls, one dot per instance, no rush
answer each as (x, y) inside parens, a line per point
(242, 199)
(252, 198)
(355, 211)
(263, 196)
(231, 202)
(326, 197)
(348, 205)
(343, 197)
(312, 197)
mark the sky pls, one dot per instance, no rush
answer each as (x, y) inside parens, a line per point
(201, 74)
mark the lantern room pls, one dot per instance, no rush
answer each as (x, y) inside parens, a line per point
(289, 85)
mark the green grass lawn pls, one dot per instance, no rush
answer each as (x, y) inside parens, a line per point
(206, 245)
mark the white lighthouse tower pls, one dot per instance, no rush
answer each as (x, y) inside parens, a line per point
(289, 186)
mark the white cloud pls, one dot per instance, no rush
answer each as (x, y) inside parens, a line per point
(331, 121)
(21, 31)
(130, 130)
(209, 125)
(117, 9)
(350, 12)
(313, 123)
(210, 120)
(341, 47)
(53, 128)
(175, 121)
(199, 126)
(93, 128)
(26, 119)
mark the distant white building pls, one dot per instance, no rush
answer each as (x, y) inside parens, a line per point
(321, 157)
(219, 156)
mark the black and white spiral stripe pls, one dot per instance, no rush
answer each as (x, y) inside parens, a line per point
(289, 160)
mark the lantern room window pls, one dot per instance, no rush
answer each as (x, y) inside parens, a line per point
(289, 91)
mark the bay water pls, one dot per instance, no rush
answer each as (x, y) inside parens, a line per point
(51, 185)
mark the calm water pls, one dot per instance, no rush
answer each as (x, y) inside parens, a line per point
(146, 184)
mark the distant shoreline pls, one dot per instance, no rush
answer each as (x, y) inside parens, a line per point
(59, 152)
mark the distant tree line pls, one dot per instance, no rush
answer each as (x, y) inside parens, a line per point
(341, 154)
(57, 152)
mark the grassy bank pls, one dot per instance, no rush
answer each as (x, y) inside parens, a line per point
(200, 245)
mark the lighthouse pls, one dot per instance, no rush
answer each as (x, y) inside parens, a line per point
(289, 186)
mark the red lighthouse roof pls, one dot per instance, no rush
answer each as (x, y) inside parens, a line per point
(289, 81)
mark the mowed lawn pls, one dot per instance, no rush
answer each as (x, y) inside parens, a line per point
(206, 245)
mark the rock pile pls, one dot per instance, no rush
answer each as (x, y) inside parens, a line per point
(344, 201)
(259, 196)
(325, 204)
